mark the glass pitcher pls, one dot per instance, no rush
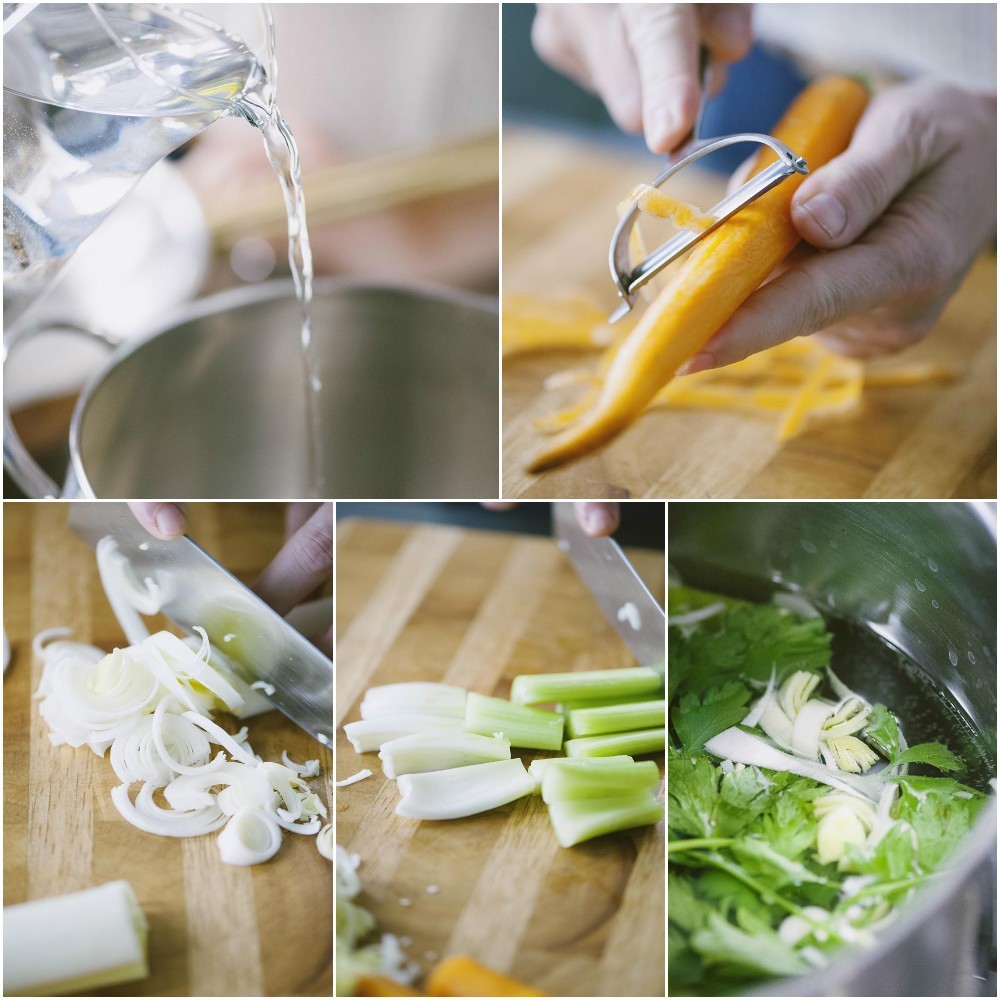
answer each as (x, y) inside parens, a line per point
(94, 95)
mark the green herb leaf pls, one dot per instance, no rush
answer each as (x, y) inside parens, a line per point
(722, 943)
(692, 793)
(697, 720)
(933, 755)
(883, 731)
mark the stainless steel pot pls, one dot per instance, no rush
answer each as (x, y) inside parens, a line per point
(922, 575)
(211, 404)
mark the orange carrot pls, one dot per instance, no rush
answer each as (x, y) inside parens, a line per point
(460, 976)
(720, 273)
(383, 986)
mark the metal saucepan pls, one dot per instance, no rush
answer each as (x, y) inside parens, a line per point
(212, 403)
(923, 576)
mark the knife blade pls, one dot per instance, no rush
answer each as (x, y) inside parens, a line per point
(196, 590)
(618, 589)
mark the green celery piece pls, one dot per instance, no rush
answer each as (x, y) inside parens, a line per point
(531, 728)
(537, 768)
(640, 741)
(573, 704)
(540, 689)
(567, 781)
(617, 718)
(585, 819)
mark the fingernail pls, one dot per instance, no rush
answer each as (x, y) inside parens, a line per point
(597, 520)
(660, 129)
(169, 520)
(702, 361)
(827, 212)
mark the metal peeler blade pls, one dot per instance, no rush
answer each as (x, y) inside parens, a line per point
(628, 279)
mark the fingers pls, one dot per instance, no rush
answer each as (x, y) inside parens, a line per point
(598, 519)
(304, 563)
(296, 514)
(664, 39)
(161, 520)
(896, 141)
(726, 28)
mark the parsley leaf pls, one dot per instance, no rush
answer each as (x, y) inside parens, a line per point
(743, 795)
(883, 731)
(697, 720)
(722, 943)
(692, 793)
(935, 755)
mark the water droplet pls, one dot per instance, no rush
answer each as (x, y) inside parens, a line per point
(971, 656)
(934, 604)
(808, 546)
(920, 586)
(953, 656)
(932, 566)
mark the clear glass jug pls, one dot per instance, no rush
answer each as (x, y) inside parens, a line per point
(94, 95)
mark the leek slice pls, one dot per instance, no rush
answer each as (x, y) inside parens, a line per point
(440, 751)
(75, 943)
(537, 768)
(462, 791)
(640, 741)
(567, 781)
(575, 822)
(616, 718)
(534, 689)
(414, 698)
(531, 728)
(369, 734)
(250, 837)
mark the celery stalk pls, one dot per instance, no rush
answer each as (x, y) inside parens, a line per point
(575, 822)
(616, 718)
(568, 705)
(568, 781)
(534, 689)
(531, 728)
(537, 768)
(640, 741)
(421, 752)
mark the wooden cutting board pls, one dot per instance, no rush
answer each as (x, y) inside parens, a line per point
(215, 930)
(475, 609)
(918, 442)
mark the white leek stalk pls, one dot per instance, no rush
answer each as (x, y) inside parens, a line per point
(250, 837)
(422, 752)
(369, 734)
(462, 791)
(76, 943)
(414, 698)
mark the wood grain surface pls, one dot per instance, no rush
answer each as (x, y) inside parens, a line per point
(929, 441)
(215, 930)
(475, 608)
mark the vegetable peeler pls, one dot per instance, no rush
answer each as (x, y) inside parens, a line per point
(629, 279)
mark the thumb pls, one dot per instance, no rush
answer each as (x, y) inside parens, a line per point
(837, 203)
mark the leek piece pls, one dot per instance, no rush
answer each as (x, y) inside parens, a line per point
(75, 943)
(616, 718)
(462, 791)
(537, 768)
(640, 741)
(568, 782)
(534, 689)
(369, 734)
(531, 728)
(575, 822)
(440, 751)
(414, 698)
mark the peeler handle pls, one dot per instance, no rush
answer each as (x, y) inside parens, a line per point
(704, 78)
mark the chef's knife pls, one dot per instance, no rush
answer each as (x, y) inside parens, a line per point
(196, 590)
(616, 586)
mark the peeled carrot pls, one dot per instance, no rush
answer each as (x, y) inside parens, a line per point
(720, 273)
(461, 976)
(383, 986)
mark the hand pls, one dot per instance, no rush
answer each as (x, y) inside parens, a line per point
(642, 59)
(596, 519)
(304, 563)
(901, 216)
(161, 520)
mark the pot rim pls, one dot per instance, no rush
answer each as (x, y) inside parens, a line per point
(232, 298)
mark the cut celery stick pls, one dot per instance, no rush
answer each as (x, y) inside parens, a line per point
(75, 943)
(575, 822)
(537, 768)
(439, 752)
(568, 782)
(414, 698)
(462, 791)
(531, 728)
(572, 704)
(616, 718)
(370, 734)
(534, 689)
(640, 741)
